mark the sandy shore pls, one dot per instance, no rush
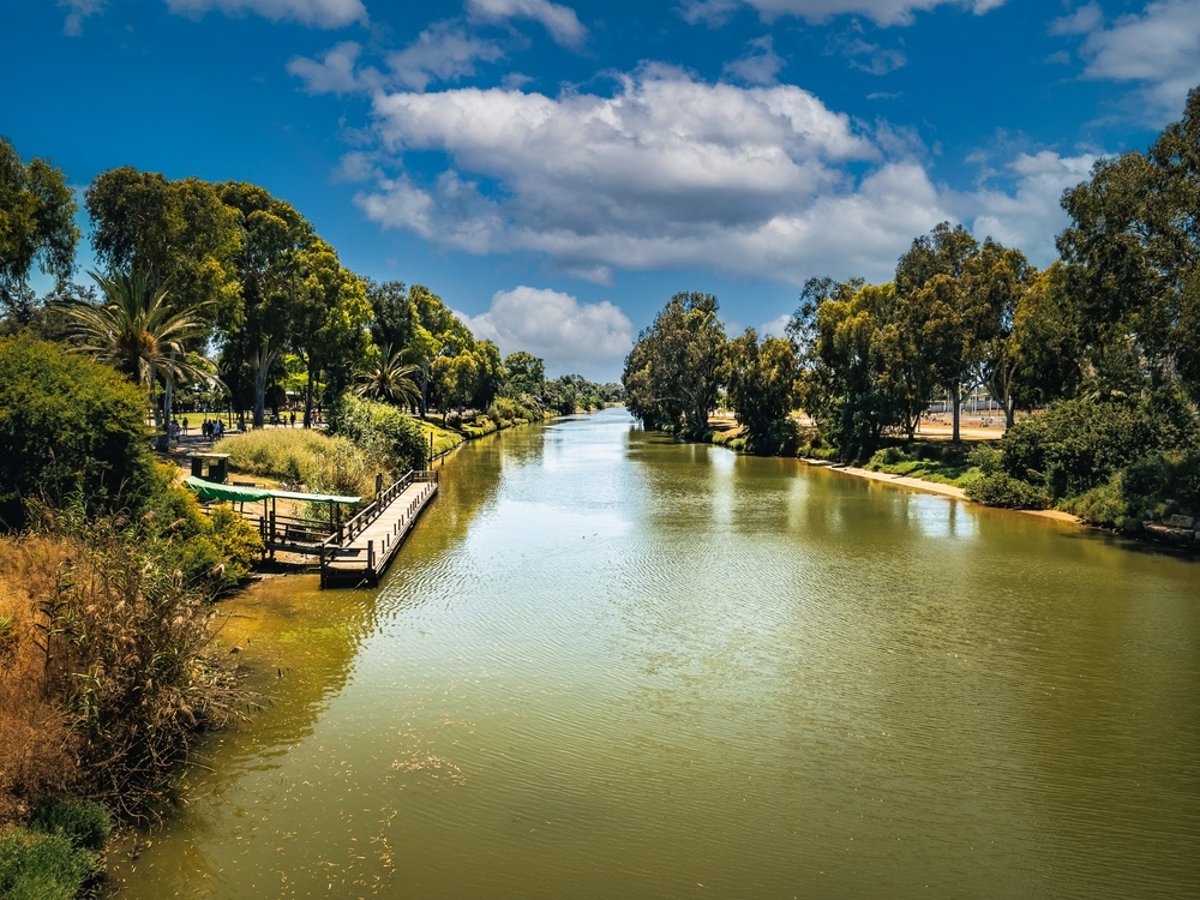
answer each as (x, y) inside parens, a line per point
(931, 487)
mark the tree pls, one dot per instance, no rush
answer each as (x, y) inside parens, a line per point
(142, 335)
(175, 232)
(526, 376)
(330, 313)
(1134, 254)
(37, 227)
(68, 426)
(760, 381)
(388, 378)
(454, 380)
(672, 375)
(269, 270)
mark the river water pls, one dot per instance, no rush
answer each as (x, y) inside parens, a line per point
(607, 665)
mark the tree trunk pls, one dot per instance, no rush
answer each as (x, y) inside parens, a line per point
(956, 399)
(308, 394)
(1010, 412)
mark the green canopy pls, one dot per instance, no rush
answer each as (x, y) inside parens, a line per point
(209, 490)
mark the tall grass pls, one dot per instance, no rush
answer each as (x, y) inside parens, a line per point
(302, 458)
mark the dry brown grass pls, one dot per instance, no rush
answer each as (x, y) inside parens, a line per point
(106, 677)
(38, 750)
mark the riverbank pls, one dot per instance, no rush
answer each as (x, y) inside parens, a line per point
(929, 487)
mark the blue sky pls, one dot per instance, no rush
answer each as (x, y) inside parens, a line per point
(556, 171)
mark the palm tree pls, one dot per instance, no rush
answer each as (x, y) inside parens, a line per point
(390, 379)
(140, 333)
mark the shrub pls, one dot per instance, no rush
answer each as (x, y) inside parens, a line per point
(37, 866)
(85, 824)
(68, 427)
(1001, 489)
(390, 438)
(1103, 505)
(1080, 444)
(986, 458)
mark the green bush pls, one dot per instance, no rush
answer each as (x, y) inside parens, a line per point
(986, 458)
(37, 866)
(389, 437)
(68, 427)
(1104, 505)
(85, 824)
(1001, 489)
(1080, 444)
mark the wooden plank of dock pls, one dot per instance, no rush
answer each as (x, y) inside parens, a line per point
(365, 553)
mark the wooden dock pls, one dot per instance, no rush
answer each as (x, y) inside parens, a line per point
(360, 550)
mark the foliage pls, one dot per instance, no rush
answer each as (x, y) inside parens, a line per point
(387, 378)
(39, 866)
(177, 233)
(672, 375)
(37, 227)
(1135, 258)
(1079, 444)
(141, 333)
(1001, 489)
(68, 426)
(123, 656)
(938, 461)
(761, 387)
(85, 823)
(389, 438)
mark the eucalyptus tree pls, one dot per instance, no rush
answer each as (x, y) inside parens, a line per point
(142, 334)
(760, 381)
(269, 270)
(1134, 250)
(175, 232)
(673, 373)
(37, 227)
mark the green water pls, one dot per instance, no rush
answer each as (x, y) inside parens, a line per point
(608, 665)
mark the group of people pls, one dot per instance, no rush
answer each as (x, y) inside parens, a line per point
(213, 429)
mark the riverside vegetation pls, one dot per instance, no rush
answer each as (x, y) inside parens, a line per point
(108, 569)
(1104, 344)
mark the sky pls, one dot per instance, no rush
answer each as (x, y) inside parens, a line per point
(556, 171)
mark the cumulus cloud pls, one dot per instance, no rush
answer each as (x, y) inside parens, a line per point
(760, 65)
(77, 11)
(570, 336)
(667, 171)
(336, 72)
(1158, 48)
(881, 12)
(445, 52)
(671, 172)
(562, 23)
(317, 13)
(1030, 216)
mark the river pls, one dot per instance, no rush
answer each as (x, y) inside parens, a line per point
(608, 665)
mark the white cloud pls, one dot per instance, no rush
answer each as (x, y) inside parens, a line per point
(882, 12)
(318, 13)
(445, 51)
(570, 336)
(77, 11)
(1031, 216)
(670, 172)
(868, 57)
(1085, 19)
(1159, 48)
(335, 72)
(777, 327)
(760, 65)
(562, 23)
